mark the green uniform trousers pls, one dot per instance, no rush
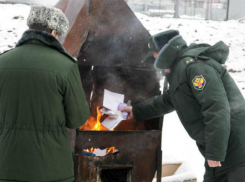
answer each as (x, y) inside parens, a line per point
(236, 175)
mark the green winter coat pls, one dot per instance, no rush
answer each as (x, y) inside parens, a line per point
(206, 98)
(41, 95)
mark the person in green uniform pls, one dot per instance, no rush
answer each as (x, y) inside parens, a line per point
(41, 95)
(206, 99)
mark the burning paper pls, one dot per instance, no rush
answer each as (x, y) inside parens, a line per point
(111, 123)
(110, 113)
(100, 152)
(112, 103)
(94, 123)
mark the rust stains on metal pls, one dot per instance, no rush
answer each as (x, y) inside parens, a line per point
(137, 154)
(72, 9)
(106, 33)
(62, 5)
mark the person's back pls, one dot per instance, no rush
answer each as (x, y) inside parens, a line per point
(40, 96)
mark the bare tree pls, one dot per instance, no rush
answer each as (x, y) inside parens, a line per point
(211, 10)
(207, 10)
(146, 3)
(185, 10)
(176, 13)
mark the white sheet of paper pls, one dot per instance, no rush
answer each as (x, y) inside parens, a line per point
(107, 111)
(111, 123)
(110, 113)
(112, 100)
(99, 152)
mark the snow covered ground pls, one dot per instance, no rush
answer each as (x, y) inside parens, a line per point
(13, 24)
(177, 145)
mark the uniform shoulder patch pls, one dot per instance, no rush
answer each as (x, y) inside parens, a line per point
(199, 82)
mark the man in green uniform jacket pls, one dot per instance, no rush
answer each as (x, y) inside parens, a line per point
(41, 95)
(206, 99)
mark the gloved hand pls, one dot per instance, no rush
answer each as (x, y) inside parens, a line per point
(129, 110)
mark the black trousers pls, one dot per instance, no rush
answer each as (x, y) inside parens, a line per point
(236, 175)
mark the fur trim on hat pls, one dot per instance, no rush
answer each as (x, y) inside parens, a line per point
(162, 38)
(51, 18)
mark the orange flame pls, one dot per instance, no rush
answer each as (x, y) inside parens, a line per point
(98, 124)
(93, 123)
(89, 150)
(110, 150)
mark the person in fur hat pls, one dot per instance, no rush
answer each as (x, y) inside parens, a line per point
(41, 95)
(206, 99)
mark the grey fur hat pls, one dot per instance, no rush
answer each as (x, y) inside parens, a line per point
(51, 18)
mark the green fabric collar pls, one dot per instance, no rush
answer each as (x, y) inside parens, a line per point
(43, 37)
(218, 52)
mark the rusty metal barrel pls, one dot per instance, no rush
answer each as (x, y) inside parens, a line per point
(111, 46)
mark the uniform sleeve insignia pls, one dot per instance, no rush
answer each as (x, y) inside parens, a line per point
(199, 82)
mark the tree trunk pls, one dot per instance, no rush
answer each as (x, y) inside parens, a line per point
(207, 10)
(211, 10)
(185, 11)
(176, 13)
(146, 5)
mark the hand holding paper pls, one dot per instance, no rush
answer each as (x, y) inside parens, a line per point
(112, 103)
(129, 111)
